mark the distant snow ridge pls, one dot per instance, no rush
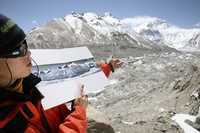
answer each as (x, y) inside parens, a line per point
(90, 28)
(159, 30)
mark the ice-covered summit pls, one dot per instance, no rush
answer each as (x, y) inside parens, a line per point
(160, 30)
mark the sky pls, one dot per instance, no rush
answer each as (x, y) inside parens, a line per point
(31, 13)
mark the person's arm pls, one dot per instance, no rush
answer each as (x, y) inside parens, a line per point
(109, 67)
(76, 122)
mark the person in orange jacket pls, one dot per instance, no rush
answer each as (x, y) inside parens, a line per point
(21, 110)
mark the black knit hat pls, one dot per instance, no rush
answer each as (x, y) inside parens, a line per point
(10, 35)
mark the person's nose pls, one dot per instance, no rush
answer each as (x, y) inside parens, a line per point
(28, 54)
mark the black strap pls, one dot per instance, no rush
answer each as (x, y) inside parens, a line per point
(111, 67)
(73, 105)
(45, 122)
(27, 111)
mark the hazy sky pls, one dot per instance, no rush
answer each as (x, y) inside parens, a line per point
(29, 13)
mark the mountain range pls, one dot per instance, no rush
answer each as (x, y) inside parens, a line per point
(77, 29)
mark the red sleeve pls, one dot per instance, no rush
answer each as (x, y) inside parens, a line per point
(76, 122)
(106, 69)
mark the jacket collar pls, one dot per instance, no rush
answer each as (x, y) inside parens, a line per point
(29, 84)
(31, 93)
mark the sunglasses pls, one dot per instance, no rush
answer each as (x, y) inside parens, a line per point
(20, 51)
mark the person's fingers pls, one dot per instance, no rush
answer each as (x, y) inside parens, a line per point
(120, 63)
(117, 63)
(86, 97)
(77, 100)
(117, 60)
(82, 91)
(83, 101)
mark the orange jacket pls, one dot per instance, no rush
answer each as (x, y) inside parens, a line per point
(27, 114)
(106, 69)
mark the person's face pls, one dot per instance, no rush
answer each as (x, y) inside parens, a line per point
(20, 66)
(19, 62)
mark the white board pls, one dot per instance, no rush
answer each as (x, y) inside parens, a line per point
(63, 71)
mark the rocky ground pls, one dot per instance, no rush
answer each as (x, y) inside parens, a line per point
(146, 92)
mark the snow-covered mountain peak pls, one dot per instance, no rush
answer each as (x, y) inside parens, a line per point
(89, 16)
(103, 24)
(77, 14)
(108, 14)
(111, 20)
(76, 21)
(159, 30)
(146, 22)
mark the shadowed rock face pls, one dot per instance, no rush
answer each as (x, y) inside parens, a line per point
(99, 127)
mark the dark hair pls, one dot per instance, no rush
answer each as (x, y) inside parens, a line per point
(10, 35)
